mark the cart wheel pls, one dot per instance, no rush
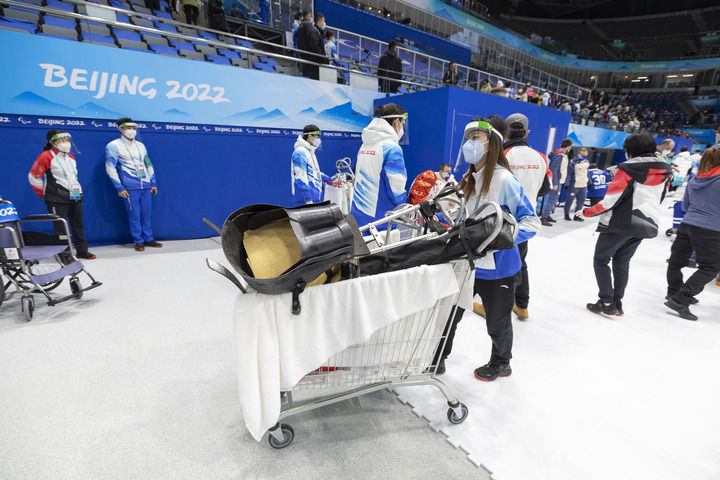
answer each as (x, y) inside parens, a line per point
(76, 288)
(288, 436)
(454, 418)
(28, 307)
(669, 232)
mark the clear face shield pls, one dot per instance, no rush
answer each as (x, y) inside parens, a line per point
(63, 143)
(128, 130)
(316, 142)
(475, 143)
(404, 133)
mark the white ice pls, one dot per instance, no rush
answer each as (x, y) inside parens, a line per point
(637, 397)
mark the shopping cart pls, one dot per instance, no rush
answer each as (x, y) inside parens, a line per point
(340, 191)
(402, 352)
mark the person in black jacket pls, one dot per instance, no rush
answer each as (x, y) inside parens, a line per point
(310, 40)
(390, 66)
(451, 75)
(216, 15)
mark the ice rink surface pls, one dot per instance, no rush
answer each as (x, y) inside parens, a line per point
(137, 380)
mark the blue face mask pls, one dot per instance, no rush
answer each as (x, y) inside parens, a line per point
(473, 151)
(446, 175)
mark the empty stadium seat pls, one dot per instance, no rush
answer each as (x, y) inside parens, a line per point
(95, 28)
(208, 35)
(59, 22)
(263, 66)
(218, 59)
(154, 39)
(17, 25)
(182, 45)
(165, 27)
(164, 50)
(69, 7)
(58, 31)
(192, 54)
(127, 35)
(162, 14)
(206, 49)
(19, 13)
(142, 22)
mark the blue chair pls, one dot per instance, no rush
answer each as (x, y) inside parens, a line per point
(165, 27)
(68, 7)
(218, 59)
(59, 22)
(127, 35)
(162, 14)
(208, 35)
(95, 38)
(263, 66)
(164, 50)
(182, 45)
(13, 24)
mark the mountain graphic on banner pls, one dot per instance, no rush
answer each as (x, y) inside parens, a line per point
(333, 98)
(273, 116)
(343, 115)
(248, 115)
(91, 108)
(176, 112)
(31, 101)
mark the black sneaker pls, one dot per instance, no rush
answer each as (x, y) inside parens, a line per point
(599, 307)
(618, 306)
(693, 300)
(577, 218)
(550, 219)
(489, 372)
(567, 217)
(139, 247)
(546, 222)
(86, 255)
(681, 309)
(153, 244)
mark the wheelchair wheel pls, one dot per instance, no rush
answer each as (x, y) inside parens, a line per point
(28, 307)
(76, 287)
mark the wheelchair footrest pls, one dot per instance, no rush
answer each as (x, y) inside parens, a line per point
(55, 301)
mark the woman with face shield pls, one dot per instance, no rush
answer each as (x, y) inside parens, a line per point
(54, 177)
(489, 178)
(380, 174)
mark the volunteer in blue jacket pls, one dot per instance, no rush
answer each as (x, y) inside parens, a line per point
(698, 232)
(133, 176)
(598, 182)
(558, 166)
(306, 179)
(490, 178)
(380, 174)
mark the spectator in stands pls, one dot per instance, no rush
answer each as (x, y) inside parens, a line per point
(380, 174)
(295, 26)
(54, 178)
(451, 75)
(191, 8)
(237, 13)
(216, 15)
(545, 99)
(306, 180)
(485, 86)
(598, 181)
(699, 232)
(531, 170)
(330, 47)
(630, 213)
(500, 90)
(558, 168)
(576, 184)
(522, 94)
(390, 66)
(133, 176)
(310, 40)
(152, 4)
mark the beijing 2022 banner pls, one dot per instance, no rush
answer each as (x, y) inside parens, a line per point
(53, 77)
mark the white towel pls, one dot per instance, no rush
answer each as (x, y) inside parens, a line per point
(276, 349)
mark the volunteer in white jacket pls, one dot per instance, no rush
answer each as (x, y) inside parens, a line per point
(306, 179)
(380, 174)
(682, 164)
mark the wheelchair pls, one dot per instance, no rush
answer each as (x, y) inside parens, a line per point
(36, 263)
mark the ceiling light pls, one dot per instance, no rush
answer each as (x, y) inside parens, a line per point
(688, 75)
(672, 76)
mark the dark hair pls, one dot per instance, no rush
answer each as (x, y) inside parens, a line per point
(485, 80)
(49, 135)
(593, 165)
(392, 44)
(389, 109)
(494, 156)
(709, 160)
(328, 34)
(566, 143)
(308, 129)
(443, 165)
(298, 16)
(639, 144)
(124, 120)
(683, 149)
(318, 16)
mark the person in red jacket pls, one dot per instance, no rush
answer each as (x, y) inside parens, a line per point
(54, 177)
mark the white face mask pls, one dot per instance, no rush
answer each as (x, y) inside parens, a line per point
(317, 143)
(473, 151)
(130, 133)
(400, 133)
(63, 147)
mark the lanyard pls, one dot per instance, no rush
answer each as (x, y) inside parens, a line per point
(136, 163)
(60, 164)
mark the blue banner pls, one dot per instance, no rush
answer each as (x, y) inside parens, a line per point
(73, 79)
(595, 137)
(442, 9)
(8, 213)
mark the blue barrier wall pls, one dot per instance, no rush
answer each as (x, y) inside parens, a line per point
(200, 174)
(380, 28)
(437, 119)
